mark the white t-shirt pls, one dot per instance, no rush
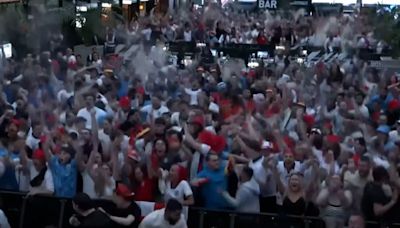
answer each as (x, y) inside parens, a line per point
(47, 184)
(213, 107)
(31, 141)
(3, 220)
(194, 94)
(88, 185)
(147, 34)
(63, 95)
(180, 192)
(394, 136)
(261, 175)
(284, 174)
(104, 139)
(154, 112)
(109, 189)
(87, 116)
(254, 33)
(187, 36)
(156, 220)
(175, 119)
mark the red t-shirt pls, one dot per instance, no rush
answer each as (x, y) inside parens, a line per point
(225, 107)
(135, 131)
(261, 40)
(250, 106)
(146, 191)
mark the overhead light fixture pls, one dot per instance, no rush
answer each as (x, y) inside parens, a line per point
(81, 8)
(141, 7)
(126, 2)
(253, 64)
(106, 5)
(300, 60)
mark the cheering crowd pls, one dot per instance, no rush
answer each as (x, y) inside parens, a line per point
(319, 141)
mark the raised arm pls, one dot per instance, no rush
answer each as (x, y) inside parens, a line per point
(79, 156)
(115, 163)
(95, 140)
(23, 155)
(192, 143)
(46, 149)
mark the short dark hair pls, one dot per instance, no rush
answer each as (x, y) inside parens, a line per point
(248, 171)
(380, 174)
(173, 205)
(172, 132)
(68, 149)
(160, 121)
(365, 159)
(35, 123)
(209, 154)
(89, 94)
(83, 201)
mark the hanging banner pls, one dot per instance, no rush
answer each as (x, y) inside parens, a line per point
(267, 4)
(8, 1)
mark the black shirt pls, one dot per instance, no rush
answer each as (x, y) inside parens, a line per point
(373, 193)
(133, 209)
(294, 208)
(96, 219)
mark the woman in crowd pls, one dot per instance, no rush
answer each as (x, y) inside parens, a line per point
(334, 201)
(174, 185)
(297, 199)
(144, 187)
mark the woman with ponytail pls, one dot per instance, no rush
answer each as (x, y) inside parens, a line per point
(174, 185)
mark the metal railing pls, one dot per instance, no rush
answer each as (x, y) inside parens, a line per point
(44, 211)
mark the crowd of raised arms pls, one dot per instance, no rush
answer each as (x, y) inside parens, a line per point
(321, 140)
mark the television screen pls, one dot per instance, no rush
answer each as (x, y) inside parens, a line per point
(262, 54)
(7, 50)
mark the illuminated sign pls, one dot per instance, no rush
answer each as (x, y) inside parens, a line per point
(7, 50)
(267, 4)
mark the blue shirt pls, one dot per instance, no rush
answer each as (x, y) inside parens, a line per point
(64, 177)
(383, 103)
(123, 88)
(211, 190)
(9, 181)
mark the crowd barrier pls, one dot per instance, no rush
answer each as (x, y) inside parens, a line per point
(25, 211)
